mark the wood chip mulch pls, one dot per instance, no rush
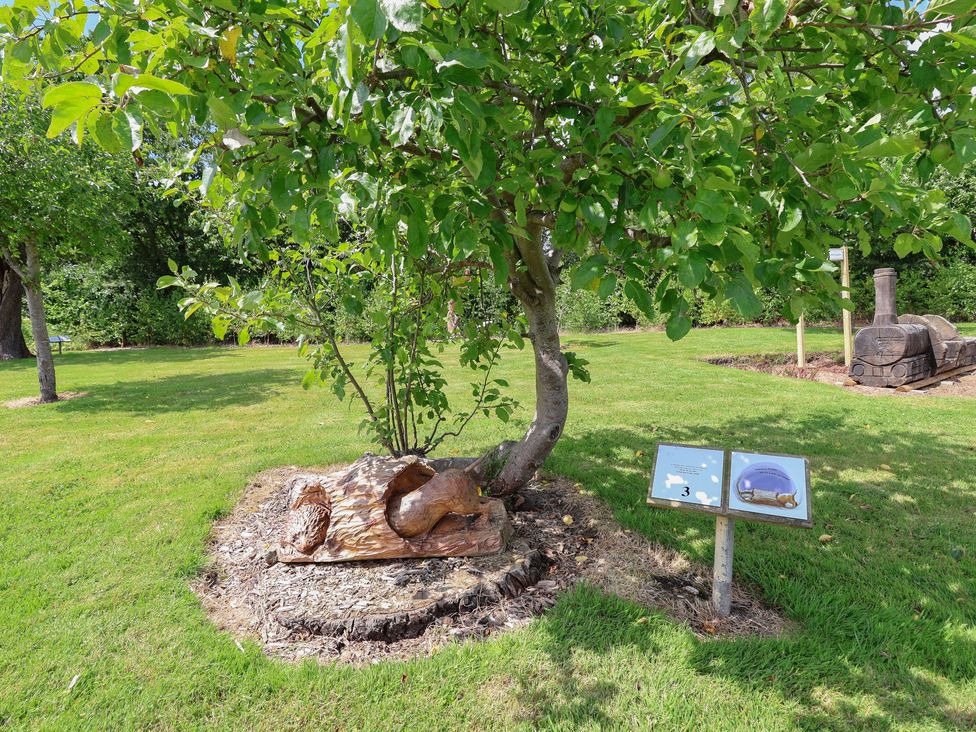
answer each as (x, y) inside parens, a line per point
(828, 368)
(365, 612)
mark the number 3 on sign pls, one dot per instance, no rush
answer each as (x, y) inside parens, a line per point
(687, 491)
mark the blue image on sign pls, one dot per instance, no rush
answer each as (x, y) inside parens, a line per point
(688, 475)
(773, 485)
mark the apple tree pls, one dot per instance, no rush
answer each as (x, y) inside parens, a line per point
(719, 145)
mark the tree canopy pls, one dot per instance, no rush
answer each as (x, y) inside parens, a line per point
(716, 145)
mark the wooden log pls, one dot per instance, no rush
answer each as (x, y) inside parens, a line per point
(385, 508)
(418, 511)
(962, 371)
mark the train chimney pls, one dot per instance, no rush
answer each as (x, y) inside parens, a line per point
(885, 308)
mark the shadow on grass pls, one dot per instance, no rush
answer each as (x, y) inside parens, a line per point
(882, 612)
(589, 343)
(184, 393)
(565, 697)
(148, 357)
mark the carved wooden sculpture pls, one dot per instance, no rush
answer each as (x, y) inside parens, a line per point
(893, 350)
(386, 508)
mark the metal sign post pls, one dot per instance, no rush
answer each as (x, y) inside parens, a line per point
(722, 572)
(731, 485)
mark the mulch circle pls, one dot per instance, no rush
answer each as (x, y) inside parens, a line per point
(363, 612)
(828, 368)
(35, 401)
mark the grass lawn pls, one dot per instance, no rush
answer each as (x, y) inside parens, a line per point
(108, 501)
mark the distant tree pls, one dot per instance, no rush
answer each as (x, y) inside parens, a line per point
(12, 343)
(56, 200)
(716, 146)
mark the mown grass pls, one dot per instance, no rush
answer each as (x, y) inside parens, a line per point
(108, 501)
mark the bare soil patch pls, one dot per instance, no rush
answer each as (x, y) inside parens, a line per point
(828, 368)
(36, 400)
(363, 612)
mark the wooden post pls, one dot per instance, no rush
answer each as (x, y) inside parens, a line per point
(722, 572)
(801, 349)
(845, 281)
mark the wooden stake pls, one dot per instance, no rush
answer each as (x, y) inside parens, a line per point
(845, 281)
(722, 572)
(801, 349)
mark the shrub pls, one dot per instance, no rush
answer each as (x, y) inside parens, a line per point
(96, 306)
(947, 288)
(583, 310)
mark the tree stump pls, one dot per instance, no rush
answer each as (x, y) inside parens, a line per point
(390, 508)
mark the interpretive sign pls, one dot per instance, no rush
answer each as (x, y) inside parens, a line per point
(688, 477)
(747, 485)
(767, 487)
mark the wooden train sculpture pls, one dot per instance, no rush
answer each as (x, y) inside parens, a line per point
(894, 351)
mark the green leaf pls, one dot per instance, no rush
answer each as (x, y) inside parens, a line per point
(895, 146)
(905, 244)
(960, 227)
(466, 241)
(964, 145)
(72, 102)
(209, 172)
(743, 298)
(369, 16)
(636, 292)
(417, 233)
(470, 58)
(721, 7)
(963, 38)
(948, 7)
(498, 262)
(587, 271)
(507, 7)
(404, 15)
(767, 16)
(711, 206)
(661, 132)
(103, 130)
(401, 126)
(679, 324)
(594, 214)
(147, 81)
(220, 324)
(703, 45)
(222, 113)
(685, 235)
(608, 283)
(692, 270)
(790, 219)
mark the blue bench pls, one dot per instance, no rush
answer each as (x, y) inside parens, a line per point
(60, 340)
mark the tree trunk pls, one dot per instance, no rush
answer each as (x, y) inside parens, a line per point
(551, 398)
(35, 306)
(533, 278)
(12, 343)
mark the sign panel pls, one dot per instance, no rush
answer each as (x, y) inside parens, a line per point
(769, 487)
(688, 477)
(836, 254)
